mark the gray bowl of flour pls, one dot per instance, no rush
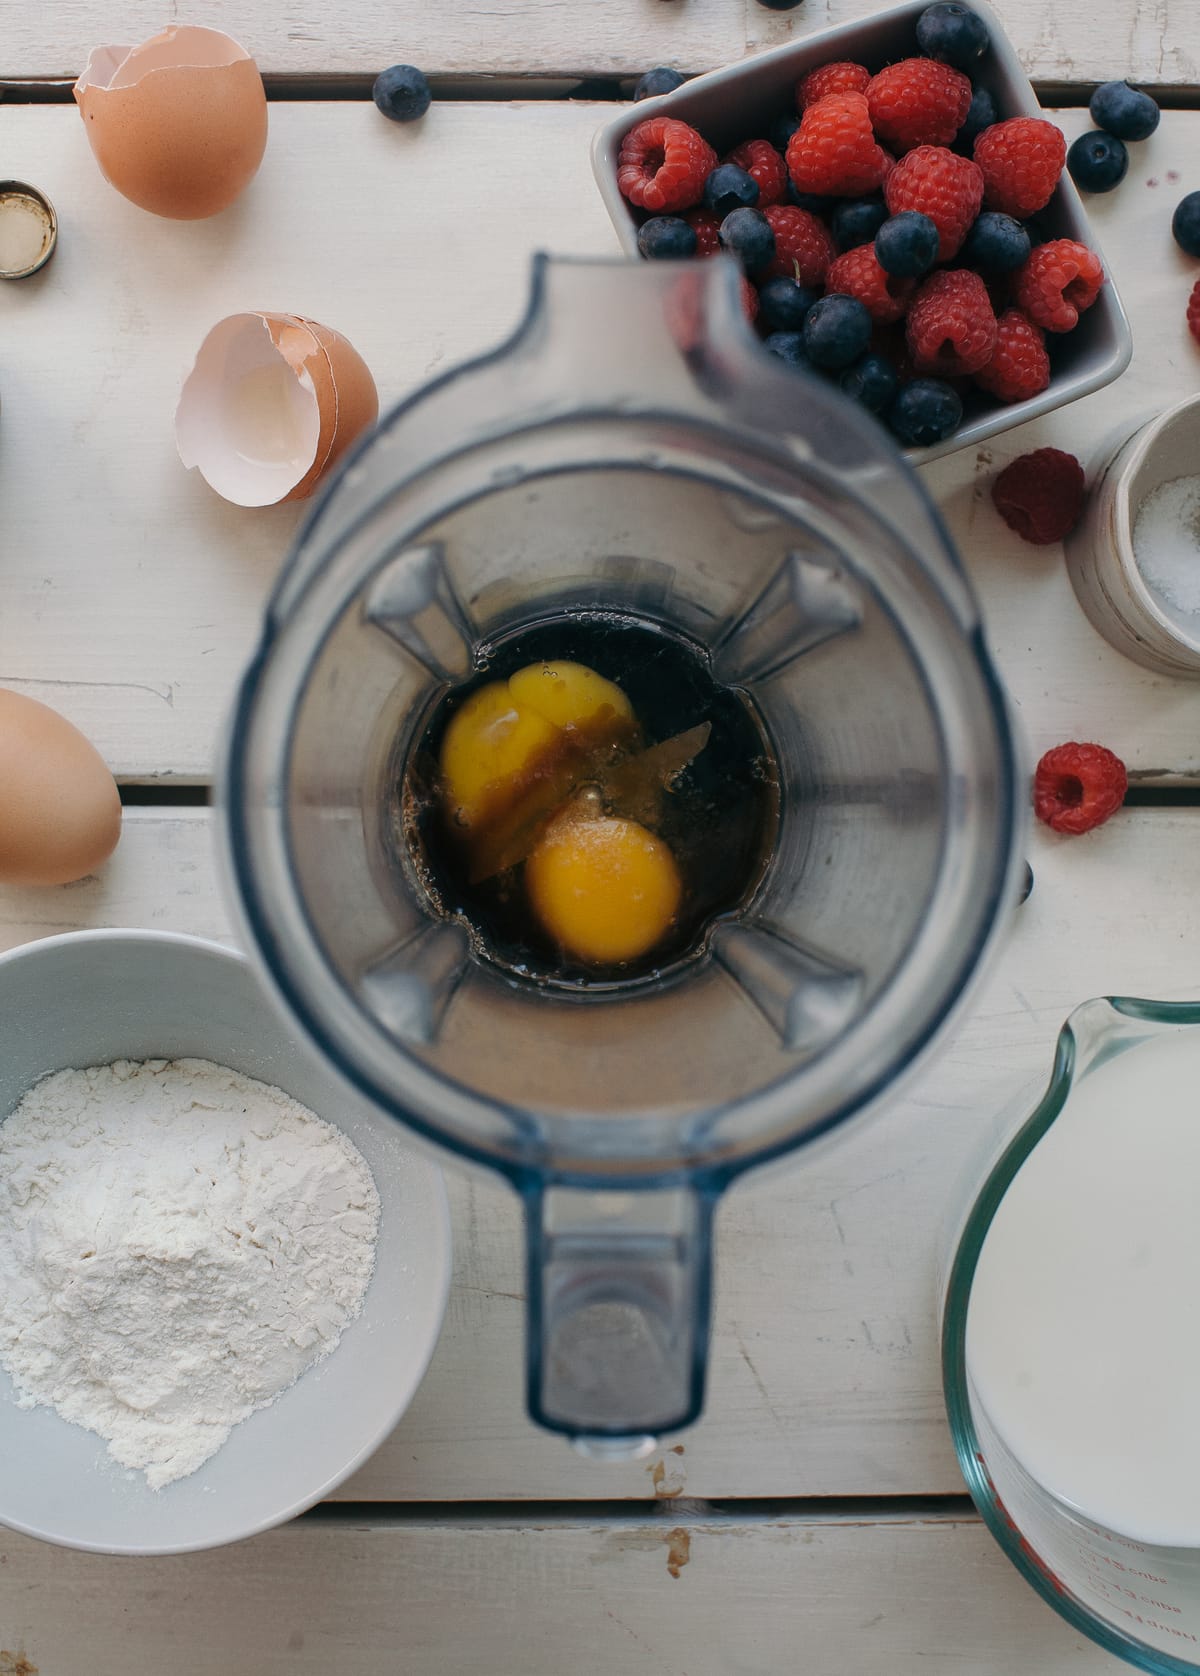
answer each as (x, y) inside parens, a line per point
(222, 1274)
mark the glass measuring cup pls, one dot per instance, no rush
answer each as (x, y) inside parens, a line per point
(1071, 1431)
(630, 451)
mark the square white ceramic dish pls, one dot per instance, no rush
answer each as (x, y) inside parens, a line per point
(731, 104)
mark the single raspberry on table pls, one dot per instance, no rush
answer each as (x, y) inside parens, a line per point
(918, 102)
(834, 151)
(706, 225)
(803, 246)
(1077, 787)
(951, 328)
(1021, 161)
(766, 169)
(839, 77)
(1019, 366)
(1057, 283)
(1193, 312)
(857, 273)
(940, 184)
(663, 165)
(1040, 495)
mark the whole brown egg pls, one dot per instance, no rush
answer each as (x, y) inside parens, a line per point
(60, 815)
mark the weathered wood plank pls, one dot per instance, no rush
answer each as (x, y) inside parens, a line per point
(824, 1365)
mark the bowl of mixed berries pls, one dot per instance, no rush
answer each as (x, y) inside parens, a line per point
(899, 207)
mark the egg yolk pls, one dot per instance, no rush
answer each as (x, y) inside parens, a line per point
(489, 745)
(503, 731)
(605, 889)
(567, 694)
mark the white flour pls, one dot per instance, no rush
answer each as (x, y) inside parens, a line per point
(178, 1243)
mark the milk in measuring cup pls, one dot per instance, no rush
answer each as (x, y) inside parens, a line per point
(1083, 1337)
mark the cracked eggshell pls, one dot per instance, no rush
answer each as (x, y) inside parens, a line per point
(60, 815)
(270, 403)
(179, 124)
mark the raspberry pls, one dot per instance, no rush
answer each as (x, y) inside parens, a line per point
(830, 78)
(945, 187)
(663, 165)
(1019, 367)
(833, 152)
(1077, 787)
(765, 167)
(918, 102)
(1059, 281)
(1040, 495)
(856, 273)
(706, 227)
(1021, 161)
(803, 246)
(951, 327)
(1193, 312)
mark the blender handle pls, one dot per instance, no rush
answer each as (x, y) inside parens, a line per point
(620, 1291)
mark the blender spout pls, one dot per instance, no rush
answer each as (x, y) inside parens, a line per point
(620, 1288)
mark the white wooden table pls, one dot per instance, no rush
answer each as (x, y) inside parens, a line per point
(815, 1516)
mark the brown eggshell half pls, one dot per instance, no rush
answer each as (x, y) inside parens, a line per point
(60, 815)
(179, 124)
(291, 367)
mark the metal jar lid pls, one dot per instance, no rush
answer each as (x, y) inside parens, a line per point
(28, 229)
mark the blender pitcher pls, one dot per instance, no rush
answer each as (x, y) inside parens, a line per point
(630, 451)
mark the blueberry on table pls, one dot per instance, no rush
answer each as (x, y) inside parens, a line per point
(402, 93)
(666, 238)
(981, 114)
(906, 245)
(857, 221)
(657, 81)
(789, 347)
(871, 380)
(729, 188)
(784, 303)
(996, 244)
(746, 234)
(837, 331)
(953, 33)
(1185, 224)
(780, 5)
(1124, 111)
(782, 129)
(925, 411)
(1097, 161)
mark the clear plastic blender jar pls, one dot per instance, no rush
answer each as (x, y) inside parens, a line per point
(630, 451)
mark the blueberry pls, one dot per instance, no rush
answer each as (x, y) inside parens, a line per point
(1097, 162)
(780, 5)
(1026, 890)
(665, 237)
(981, 114)
(907, 245)
(729, 188)
(789, 347)
(953, 33)
(813, 202)
(926, 411)
(1185, 224)
(1123, 111)
(996, 244)
(402, 93)
(857, 221)
(746, 234)
(782, 129)
(837, 330)
(871, 380)
(657, 81)
(783, 304)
